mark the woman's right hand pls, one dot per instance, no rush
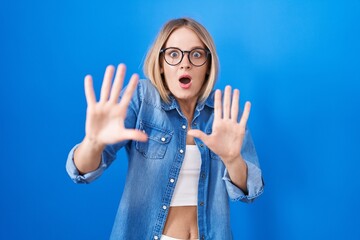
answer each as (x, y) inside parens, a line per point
(105, 118)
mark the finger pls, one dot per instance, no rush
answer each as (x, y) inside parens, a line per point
(126, 97)
(235, 105)
(198, 134)
(245, 115)
(89, 90)
(118, 83)
(227, 102)
(106, 85)
(217, 105)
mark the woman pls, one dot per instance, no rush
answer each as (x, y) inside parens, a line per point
(188, 150)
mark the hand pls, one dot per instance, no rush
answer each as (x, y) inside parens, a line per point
(105, 118)
(227, 134)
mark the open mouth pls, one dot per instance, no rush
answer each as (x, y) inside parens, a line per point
(185, 80)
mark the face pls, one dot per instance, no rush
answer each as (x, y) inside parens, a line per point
(184, 80)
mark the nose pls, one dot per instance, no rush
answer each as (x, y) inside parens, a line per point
(185, 63)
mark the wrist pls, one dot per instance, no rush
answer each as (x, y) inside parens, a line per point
(235, 163)
(232, 159)
(93, 143)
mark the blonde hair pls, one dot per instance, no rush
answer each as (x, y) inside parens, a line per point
(152, 66)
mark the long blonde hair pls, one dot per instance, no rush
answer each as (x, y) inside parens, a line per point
(152, 65)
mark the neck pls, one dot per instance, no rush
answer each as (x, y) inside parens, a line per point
(187, 108)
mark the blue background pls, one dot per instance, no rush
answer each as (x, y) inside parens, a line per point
(296, 61)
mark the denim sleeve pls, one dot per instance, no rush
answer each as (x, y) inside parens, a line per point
(255, 184)
(107, 157)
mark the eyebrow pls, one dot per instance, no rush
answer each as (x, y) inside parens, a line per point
(203, 47)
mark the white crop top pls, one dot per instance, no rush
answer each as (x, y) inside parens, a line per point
(186, 189)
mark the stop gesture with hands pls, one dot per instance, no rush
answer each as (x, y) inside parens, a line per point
(105, 118)
(227, 134)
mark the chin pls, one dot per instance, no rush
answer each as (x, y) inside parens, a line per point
(186, 96)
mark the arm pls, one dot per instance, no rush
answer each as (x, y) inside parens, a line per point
(105, 119)
(227, 138)
(237, 170)
(254, 180)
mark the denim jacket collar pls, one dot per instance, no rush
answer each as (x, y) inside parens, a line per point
(173, 104)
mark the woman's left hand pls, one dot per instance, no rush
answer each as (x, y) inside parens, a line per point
(227, 134)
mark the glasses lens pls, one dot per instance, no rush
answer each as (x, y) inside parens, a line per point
(173, 56)
(198, 56)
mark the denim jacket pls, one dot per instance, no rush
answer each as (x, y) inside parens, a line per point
(153, 169)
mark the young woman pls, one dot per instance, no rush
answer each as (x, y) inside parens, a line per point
(188, 147)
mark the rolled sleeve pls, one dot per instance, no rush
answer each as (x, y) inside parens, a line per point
(255, 185)
(83, 178)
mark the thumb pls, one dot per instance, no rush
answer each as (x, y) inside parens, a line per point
(136, 135)
(198, 134)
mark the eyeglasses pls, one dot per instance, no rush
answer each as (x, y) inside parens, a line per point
(197, 56)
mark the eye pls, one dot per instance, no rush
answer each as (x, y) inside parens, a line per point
(197, 54)
(174, 54)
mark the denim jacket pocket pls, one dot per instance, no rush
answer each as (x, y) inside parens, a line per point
(158, 140)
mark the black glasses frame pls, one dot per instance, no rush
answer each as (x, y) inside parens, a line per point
(183, 53)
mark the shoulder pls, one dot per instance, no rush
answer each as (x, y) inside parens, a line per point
(146, 85)
(209, 102)
(148, 93)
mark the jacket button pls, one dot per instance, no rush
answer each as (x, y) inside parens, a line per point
(201, 203)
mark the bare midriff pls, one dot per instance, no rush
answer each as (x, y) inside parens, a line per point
(181, 222)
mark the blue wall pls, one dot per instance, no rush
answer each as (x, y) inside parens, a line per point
(297, 61)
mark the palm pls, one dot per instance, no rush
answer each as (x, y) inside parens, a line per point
(105, 118)
(227, 133)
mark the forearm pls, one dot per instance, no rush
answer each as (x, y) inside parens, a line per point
(87, 156)
(237, 170)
